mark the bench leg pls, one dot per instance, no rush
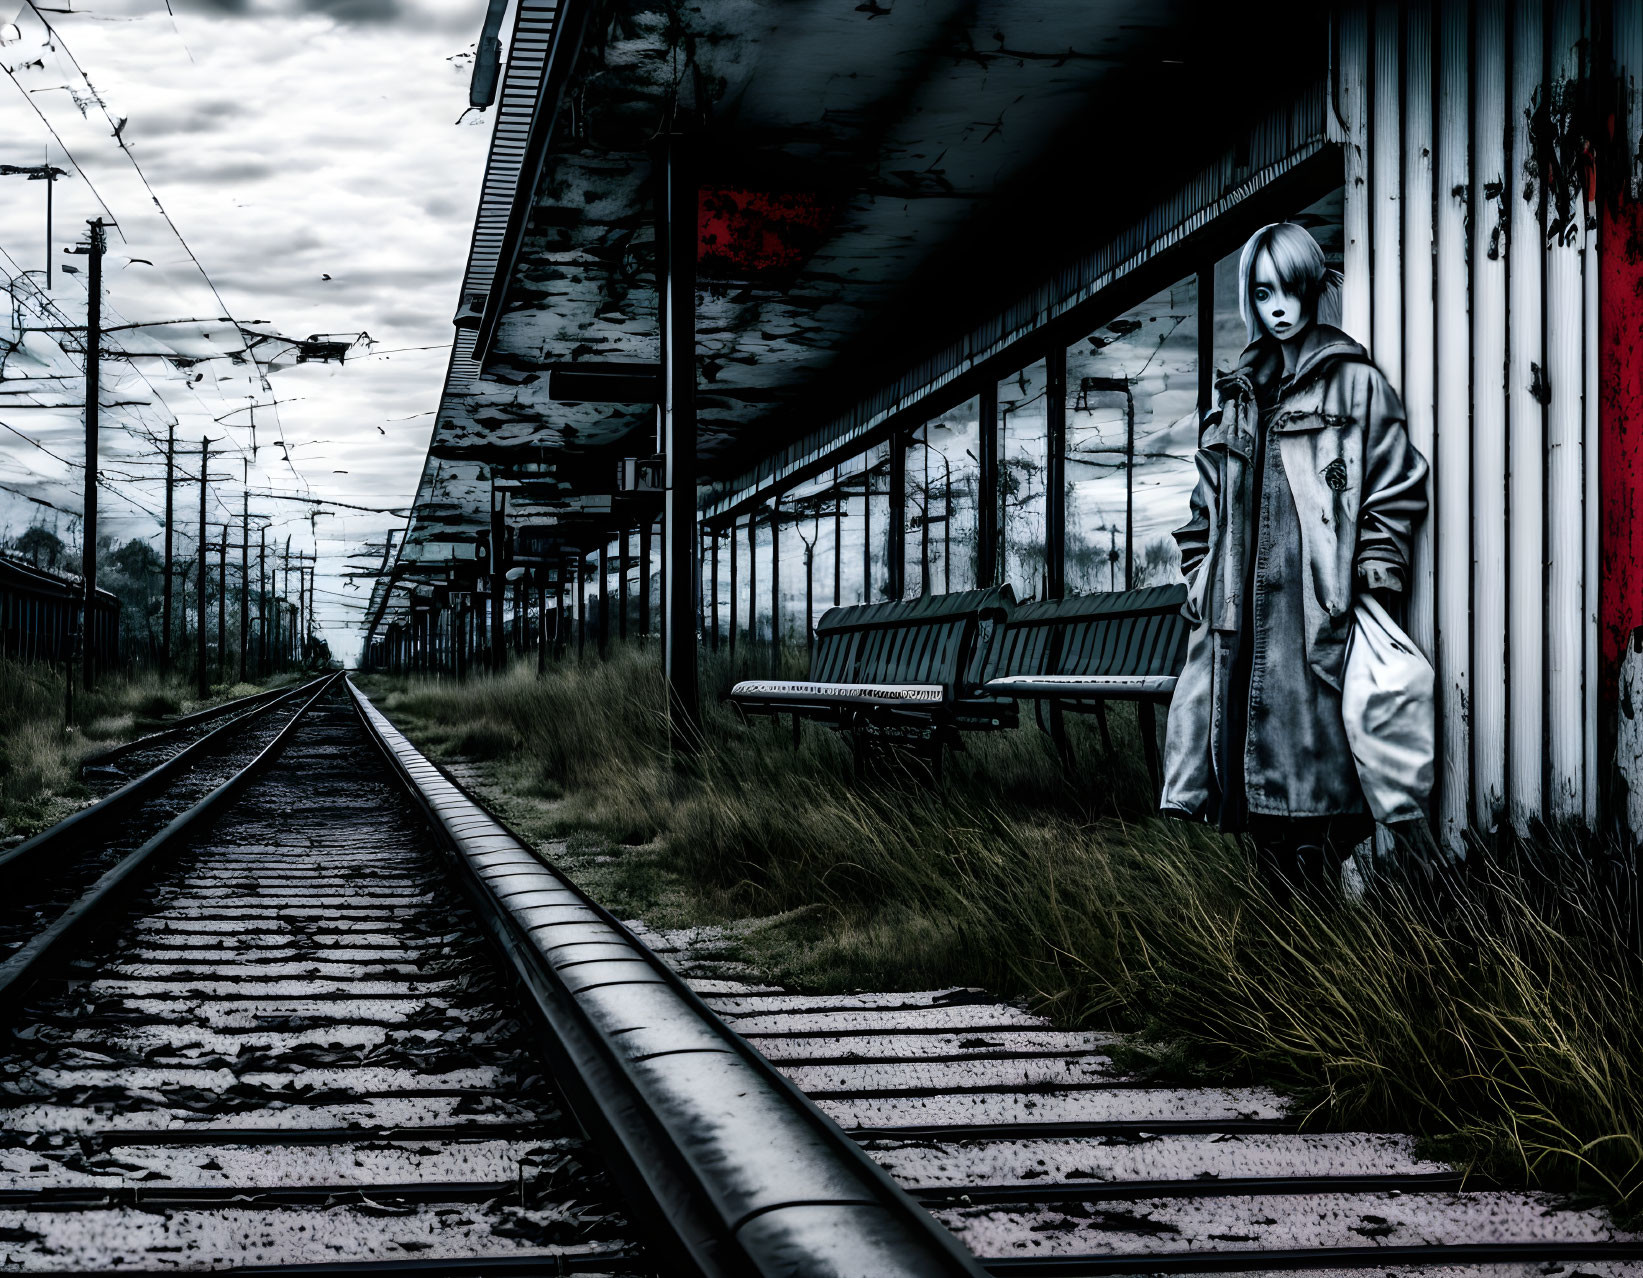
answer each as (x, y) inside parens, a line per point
(1149, 745)
(1101, 718)
(1058, 734)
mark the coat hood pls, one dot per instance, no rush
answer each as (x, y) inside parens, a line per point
(1263, 358)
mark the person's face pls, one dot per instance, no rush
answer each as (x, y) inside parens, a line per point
(1282, 313)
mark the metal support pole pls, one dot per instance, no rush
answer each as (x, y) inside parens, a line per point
(222, 605)
(896, 535)
(678, 217)
(519, 616)
(752, 578)
(733, 591)
(499, 568)
(604, 596)
(644, 578)
(581, 607)
(1129, 488)
(714, 629)
(867, 527)
(203, 674)
(541, 621)
(838, 537)
(245, 578)
(170, 553)
(283, 629)
(623, 563)
(1055, 480)
(262, 602)
(989, 494)
(809, 600)
(94, 355)
(51, 183)
(776, 586)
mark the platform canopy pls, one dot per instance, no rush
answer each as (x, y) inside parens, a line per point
(875, 178)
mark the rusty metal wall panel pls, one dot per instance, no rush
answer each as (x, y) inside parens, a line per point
(1452, 462)
(1489, 536)
(1385, 335)
(1352, 117)
(1565, 487)
(1419, 385)
(1526, 434)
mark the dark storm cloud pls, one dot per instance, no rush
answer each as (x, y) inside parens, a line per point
(352, 11)
(436, 15)
(224, 172)
(207, 116)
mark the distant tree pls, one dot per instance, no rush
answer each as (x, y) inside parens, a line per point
(132, 573)
(40, 543)
(136, 559)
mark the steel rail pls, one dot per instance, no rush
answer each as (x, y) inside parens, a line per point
(1264, 1260)
(80, 824)
(735, 1171)
(182, 723)
(19, 972)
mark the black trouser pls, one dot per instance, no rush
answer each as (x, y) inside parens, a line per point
(1294, 852)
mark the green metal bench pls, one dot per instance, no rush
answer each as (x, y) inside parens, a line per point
(909, 671)
(1076, 654)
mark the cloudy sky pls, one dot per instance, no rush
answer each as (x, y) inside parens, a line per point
(320, 169)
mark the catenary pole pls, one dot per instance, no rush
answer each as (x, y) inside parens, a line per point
(262, 602)
(94, 354)
(170, 539)
(222, 604)
(204, 675)
(245, 568)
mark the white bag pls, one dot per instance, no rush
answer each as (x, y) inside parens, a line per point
(1386, 704)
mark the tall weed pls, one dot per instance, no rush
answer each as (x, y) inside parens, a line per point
(1504, 1023)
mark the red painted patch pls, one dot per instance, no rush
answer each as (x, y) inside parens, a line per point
(744, 234)
(1620, 458)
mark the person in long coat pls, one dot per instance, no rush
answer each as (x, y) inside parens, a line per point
(1308, 491)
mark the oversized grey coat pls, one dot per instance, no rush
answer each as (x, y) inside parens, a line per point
(1342, 492)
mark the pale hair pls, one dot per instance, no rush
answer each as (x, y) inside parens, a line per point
(1301, 269)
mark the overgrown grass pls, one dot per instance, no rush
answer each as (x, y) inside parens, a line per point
(40, 758)
(1505, 1025)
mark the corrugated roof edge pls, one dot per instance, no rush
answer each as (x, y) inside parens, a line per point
(505, 192)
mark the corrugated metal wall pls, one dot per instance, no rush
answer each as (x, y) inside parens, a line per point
(1471, 265)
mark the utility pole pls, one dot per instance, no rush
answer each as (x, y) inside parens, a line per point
(222, 605)
(170, 560)
(47, 173)
(285, 599)
(262, 602)
(203, 676)
(245, 572)
(94, 346)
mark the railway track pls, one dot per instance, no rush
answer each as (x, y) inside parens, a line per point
(328, 1017)
(310, 1009)
(1048, 1161)
(108, 770)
